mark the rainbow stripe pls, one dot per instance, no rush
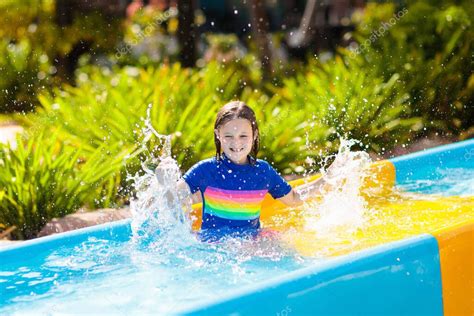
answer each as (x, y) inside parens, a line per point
(233, 204)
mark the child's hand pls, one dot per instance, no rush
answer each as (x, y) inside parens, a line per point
(341, 160)
(165, 172)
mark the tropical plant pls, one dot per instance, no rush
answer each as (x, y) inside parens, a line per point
(110, 108)
(31, 56)
(42, 178)
(429, 46)
(24, 71)
(348, 101)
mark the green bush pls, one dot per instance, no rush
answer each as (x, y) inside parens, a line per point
(21, 67)
(346, 100)
(42, 178)
(37, 53)
(430, 47)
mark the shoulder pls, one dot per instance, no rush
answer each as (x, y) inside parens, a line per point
(264, 165)
(269, 170)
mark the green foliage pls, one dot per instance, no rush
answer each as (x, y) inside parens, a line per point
(430, 47)
(21, 67)
(109, 108)
(227, 50)
(149, 39)
(29, 47)
(346, 100)
(42, 178)
(38, 24)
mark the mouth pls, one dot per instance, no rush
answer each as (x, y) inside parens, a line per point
(236, 150)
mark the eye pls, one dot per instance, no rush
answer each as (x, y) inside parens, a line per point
(227, 136)
(243, 136)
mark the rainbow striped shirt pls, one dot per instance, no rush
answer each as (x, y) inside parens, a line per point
(232, 194)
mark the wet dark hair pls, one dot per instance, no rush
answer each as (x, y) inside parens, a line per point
(237, 110)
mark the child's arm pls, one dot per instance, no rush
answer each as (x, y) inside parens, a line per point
(180, 193)
(180, 189)
(305, 191)
(302, 192)
(184, 193)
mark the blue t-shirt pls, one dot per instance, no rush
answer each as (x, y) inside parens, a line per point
(232, 194)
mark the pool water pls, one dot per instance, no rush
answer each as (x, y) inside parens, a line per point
(106, 276)
(447, 182)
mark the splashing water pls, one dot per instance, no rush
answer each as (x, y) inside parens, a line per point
(158, 218)
(342, 203)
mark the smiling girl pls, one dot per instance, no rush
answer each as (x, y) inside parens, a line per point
(234, 183)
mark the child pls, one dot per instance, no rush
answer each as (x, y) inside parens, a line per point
(234, 182)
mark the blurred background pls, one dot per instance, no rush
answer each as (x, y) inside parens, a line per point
(78, 76)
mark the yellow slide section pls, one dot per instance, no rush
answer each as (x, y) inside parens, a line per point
(456, 251)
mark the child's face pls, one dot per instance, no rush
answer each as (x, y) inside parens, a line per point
(236, 138)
